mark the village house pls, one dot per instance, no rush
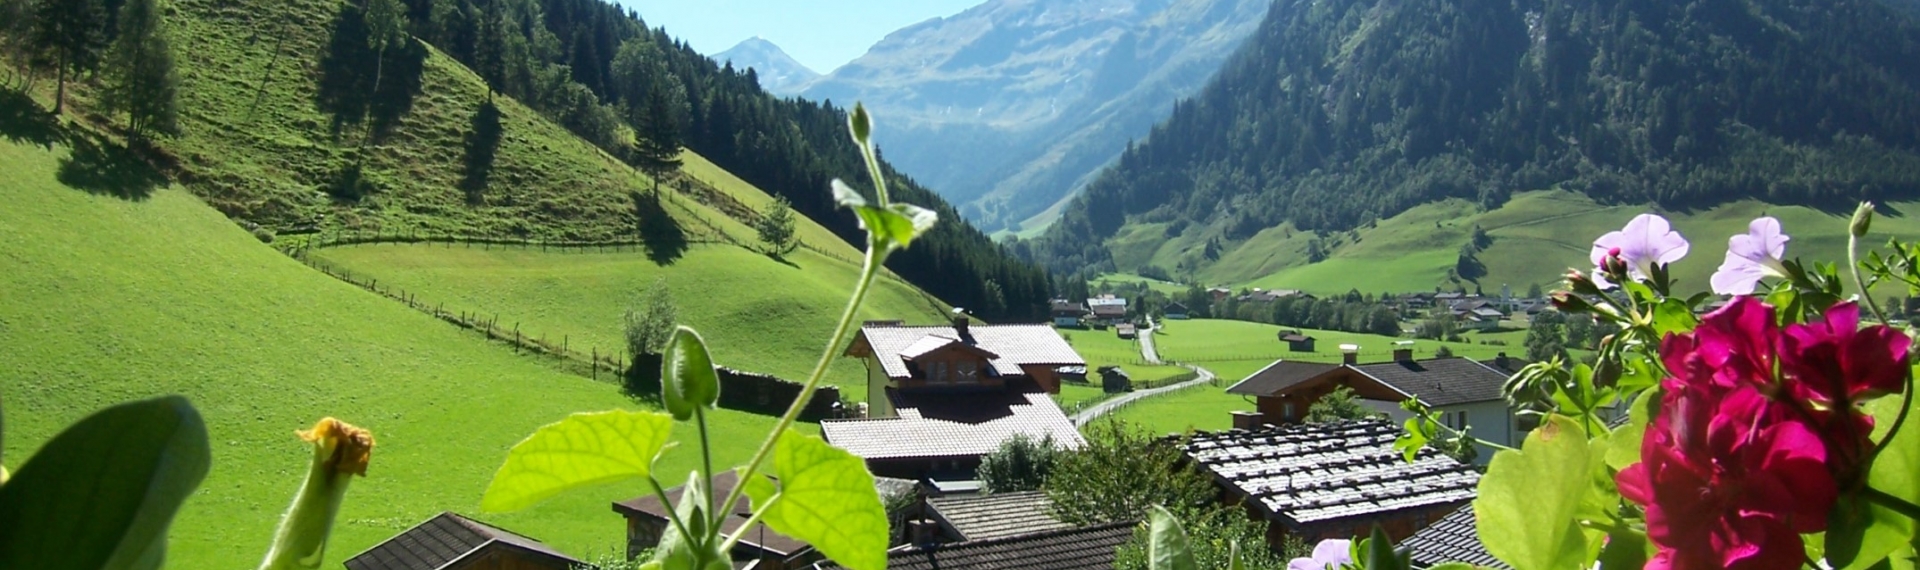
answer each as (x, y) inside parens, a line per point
(1107, 310)
(1125, 330)
(1175, 311)
(452, 542)
(939, 397)
(1331, 480)
(1461, 391)
(1067, 313)
(1219, 293)
(1453, 538)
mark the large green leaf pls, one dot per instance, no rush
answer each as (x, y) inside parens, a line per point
(584, 449)
(690, 381)
(826, 498)
(1624, 446)
(1529, 498)
(101, 494)
(1167, 547)
(1862, 533)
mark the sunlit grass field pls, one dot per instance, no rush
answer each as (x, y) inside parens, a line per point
(107, 300)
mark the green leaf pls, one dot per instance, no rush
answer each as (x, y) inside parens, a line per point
(688, 371)
(677, 550)
(845, 195)
(1529, 498)
(1233, 557)
(1379, 553)
(1673, 316)
(101, 494)
(895, 226)
(1861, 533)
(584, 449)
(1413, 436)
(1624, 447)
(1625, 550)
(1167, 547)
(827, 499)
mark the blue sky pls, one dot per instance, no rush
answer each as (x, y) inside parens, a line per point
(822, 34)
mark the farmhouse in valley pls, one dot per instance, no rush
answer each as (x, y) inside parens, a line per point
(1067, 313)
(1461, 391)
(939, 397)
(1107, 310)
(1296, 341)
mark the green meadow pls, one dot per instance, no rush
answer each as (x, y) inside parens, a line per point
(758, 314)
(1235, 349)
(110, 299)
(1103, 347)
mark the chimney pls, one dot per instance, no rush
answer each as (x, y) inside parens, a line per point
(1248, 420)
(1403, 351)
(1500, 361)
(922, 532)
(960, 325)
(1350, 353)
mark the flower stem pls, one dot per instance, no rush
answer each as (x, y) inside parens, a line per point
(746, 526)
(706, 464)
(673, 515)
(1853, 266)
(872, 266)
(1898, 505)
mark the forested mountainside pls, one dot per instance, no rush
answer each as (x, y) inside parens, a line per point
(598, 70)
(1008, 107)
(1340, 112)
(779, 73)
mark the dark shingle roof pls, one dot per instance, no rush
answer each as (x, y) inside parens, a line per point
(442, 540)
(1084, 548)
(1451, 539)
(760, 537)
(1110, 310)
(1440, 381)
(1013, 345)
(1279, 376)
(982, 517)
(1318, 472)
(953, 424)
(1175, 307)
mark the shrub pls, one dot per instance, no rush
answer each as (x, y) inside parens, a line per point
(1019, 464)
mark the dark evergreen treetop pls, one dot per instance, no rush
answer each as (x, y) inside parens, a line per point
(1340, 112)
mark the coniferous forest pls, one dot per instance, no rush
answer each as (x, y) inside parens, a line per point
(1341, 112)
(596, 68)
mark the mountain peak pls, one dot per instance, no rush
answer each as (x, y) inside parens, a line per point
(779, 73)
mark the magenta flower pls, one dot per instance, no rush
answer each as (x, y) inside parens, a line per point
(1752, 256)
(1835, 364)
(1648, 239)
(1328, 554)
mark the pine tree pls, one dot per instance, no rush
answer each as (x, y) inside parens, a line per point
(776, 227)
(68, 36)
(489, 49)
(658, 147)
(386, 27)
(1546, 337)
(142, 82)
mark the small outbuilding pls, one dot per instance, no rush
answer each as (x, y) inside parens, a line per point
(452, 542)
(1176, 311)
(1296, 341)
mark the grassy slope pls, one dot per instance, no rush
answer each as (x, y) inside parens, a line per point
(109, 300)
(756, 313)
(1536, 236)
(1103, 347)
(1215, 343)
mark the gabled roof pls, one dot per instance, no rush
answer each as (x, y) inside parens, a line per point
(1294, 337)
(1453, 538)
(1065, 306)
(1175, 307)
(1013, 345)
(1084, 548)
(1277, 377)
(953, 424)
(1110, 310)
(1439, 381)
(1311, 473)
(933, 342)
(982, 517)
(443, 540)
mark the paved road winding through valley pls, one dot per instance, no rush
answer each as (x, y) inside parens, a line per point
(1152, 356)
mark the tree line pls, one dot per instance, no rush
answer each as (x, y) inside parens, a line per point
(1338, 113)
(642, 95)
(124, 45)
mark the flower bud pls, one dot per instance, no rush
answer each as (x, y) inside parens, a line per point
(1580, 283)
(1862, 220)
(340, 451)
(1569, 302)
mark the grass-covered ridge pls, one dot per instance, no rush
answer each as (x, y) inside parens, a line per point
(110, 299)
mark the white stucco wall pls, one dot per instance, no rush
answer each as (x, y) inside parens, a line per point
(1489, 421)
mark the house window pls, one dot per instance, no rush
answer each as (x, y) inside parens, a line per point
(965, 372)
(1286, 411)
(937, 371)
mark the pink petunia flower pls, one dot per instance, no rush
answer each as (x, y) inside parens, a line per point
(1750, 257)
(1646, 240)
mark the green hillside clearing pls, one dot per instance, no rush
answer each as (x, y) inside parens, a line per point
(1214, 343)
(1103, 348)
(759, 314)
(109, 300)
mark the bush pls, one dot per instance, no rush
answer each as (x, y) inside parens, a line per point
(1122, 471)
(1019, 464)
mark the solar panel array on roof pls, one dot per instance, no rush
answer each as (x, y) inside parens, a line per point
(1320, 472)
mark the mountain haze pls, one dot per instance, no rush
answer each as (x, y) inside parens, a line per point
(1007, 107)
(1339, 113)
(778, 72)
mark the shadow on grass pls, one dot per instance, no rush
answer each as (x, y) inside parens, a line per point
(350, 70)
(102, 167)
(664, 239)
(23, 121)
